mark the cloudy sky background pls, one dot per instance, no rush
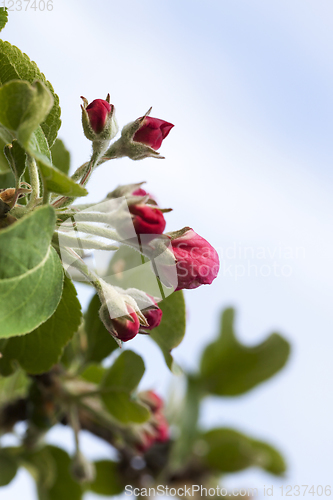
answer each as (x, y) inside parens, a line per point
(248, 164)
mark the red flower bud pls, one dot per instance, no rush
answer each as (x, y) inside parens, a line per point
(151, 399)
(146, 441)
(154, 317)
(147, 220)
(157, 428)
(197, 261)
(152, 132)
(98, 112)
(139, 192)
(125, 328)
(162, 428)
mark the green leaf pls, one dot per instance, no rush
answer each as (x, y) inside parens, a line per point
(5, 138)
(187, 424)
(171, 330)
(3, 17)
(31, 273)
(16, 157)
(100, 342)
(94, 373)
(124, 409)
(8, 467)
(39, 350)
(64, 486)
(108, 479)
(61, 156)
(271, 460)
(231, 451)
(125, 373)
(50, 467)
(14, 65)
(5, 135)
(23, 107)
(42, 467)
(7, 179)
(55, 180)
(3, 160)
(15, 386)
(119, 382)
(229, 368)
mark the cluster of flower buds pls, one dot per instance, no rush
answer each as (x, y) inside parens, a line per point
(185, 259)
(197, 262)
(156, 430)
(125, 313)
(139, 139)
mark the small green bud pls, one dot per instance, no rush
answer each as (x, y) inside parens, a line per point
(82, 470)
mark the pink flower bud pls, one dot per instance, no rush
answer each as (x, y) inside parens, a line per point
(162, 428)
(143, 192)
(197, 261)
(126, 329)
(146, 441)
(156, 430)
(153, 316)
(151, 399)
(139, 192)
(98, 112)
(152, 132)
(147, 220)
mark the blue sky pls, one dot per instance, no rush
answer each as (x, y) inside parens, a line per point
(248, 164)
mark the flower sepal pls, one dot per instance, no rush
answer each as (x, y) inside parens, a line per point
(127, 190)
(173, 235)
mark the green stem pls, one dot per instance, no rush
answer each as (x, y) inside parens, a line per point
(34, 181)
(79, 172)
(114, 151)
(85, 171)
(88, 394)
(46, 196)
(103, 420)
(75, 424)
(91, 165)
(82, 267)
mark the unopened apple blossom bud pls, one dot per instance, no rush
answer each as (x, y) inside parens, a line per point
(156, 430)
(152, 132)
(144, 440)
(162, 427)
(127, 190)
(136, 218)
(140, 192)
(147, 220)
(153, 316)
(151, 399)
(123, 328)
(140, 139)
(82, 470)
(98, 119)
(197, 261)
